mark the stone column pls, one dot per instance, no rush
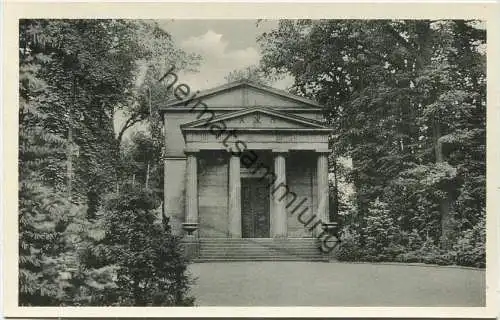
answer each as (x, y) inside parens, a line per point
(323, 189)
(234, 197)
(278, 216)
(191, 221)
(176, 230)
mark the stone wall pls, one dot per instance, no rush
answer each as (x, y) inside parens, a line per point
(301, 179)
(175, 187)
(213, 194)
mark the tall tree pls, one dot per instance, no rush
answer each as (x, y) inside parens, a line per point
(94, 71)
(251, 73)
(400, 95)
(75, 75)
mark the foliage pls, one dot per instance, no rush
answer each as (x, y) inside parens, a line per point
(380, 240)
(350, 248)
(470, 247)
(381, 233)
(406, 100)
(383, 241)
(40, 217)
(252, 74)
(42, 207)
(141, 161)
(150, 267)
(92, 71)
(75, 77)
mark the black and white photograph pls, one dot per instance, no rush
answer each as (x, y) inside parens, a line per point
(251, 162)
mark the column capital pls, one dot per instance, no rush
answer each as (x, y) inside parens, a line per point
(280, 151)
(328, 151)
(191, 150)
(232, 154)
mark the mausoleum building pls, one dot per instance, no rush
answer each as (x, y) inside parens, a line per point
(246, 166)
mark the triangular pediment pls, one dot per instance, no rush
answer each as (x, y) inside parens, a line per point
(245, 94)
(256, 118)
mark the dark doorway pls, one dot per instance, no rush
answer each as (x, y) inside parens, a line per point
(254, 208)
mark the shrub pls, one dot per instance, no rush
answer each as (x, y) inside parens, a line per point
(377, 241)
(41, 245)
(382, 240)
(470, 247)
(381, 235)
(150, 267)
(349, 248)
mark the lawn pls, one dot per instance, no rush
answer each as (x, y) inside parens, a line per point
(335, 284)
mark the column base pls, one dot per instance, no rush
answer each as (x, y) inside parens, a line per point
(328, 242)
(329, 248)
(191, 247)
(190, 227)
(280, 237)
(330, 227)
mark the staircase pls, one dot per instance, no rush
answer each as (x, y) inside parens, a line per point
(258, 249)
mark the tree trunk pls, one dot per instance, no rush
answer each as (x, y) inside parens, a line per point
(438, 147)
(69, 165)
(147, 176)
(445, 204)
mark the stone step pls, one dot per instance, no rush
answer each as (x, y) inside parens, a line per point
(274, 246)
(314, 250)
(237, 248)
(257, 240)
(261, 258)
(267, 253)
(263, 245)
(260, 244)
(252, 257)
(284, 249)
(258, 258)
(258, 249)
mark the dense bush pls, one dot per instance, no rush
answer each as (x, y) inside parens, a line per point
(381, 240)
(126, 256)
(149, 267)
(471, 246)
(75, 77)
(350, 246)
(407, 103)
(41, 245)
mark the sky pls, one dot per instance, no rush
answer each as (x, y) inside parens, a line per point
(224, 46)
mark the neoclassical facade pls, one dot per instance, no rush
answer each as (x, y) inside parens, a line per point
(245, 161)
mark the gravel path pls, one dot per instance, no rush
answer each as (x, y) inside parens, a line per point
(335, 284)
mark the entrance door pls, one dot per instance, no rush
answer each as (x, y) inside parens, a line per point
(254, 208)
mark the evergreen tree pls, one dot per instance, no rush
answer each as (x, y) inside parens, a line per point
(75, 76)
(151, 269)
(406, 100)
